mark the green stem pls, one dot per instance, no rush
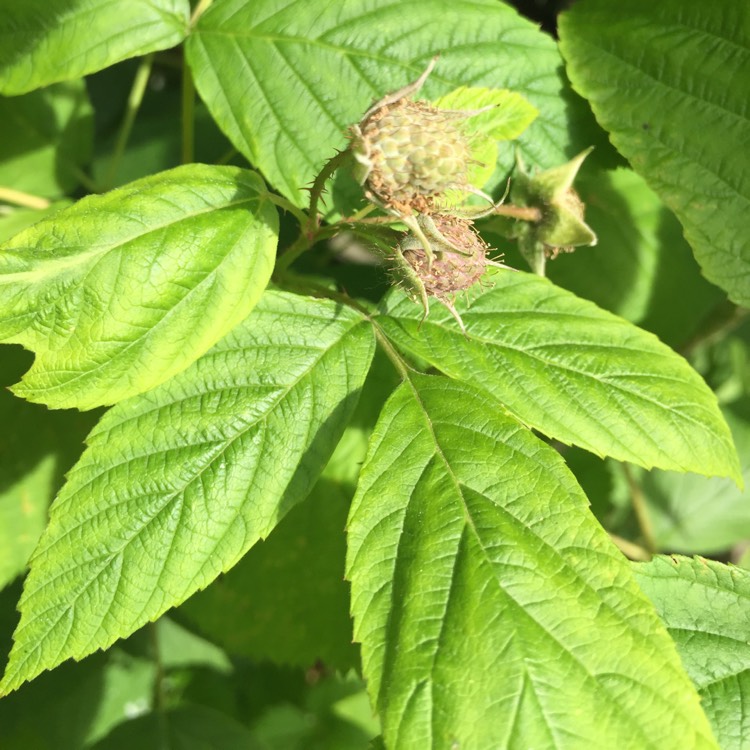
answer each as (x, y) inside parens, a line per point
(397, 360)
(319, 185)
(390, 351)
(524, 213)
(299, 246)
(536, 257)
(722, 321)
(630, 549)
(641, 511)
(226, 156)
(359, 216)
(134, 103)
(200, 9)
(85, 180)
(159, 697)
(188, 115)
(26, 200)
(285, 205)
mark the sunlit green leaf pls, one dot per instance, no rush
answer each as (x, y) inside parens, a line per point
(574, 372)
(492, 609)
(693, 514)
(121, 291)
(706, 608)
(178, 483)
(285, 78)
(44, 41)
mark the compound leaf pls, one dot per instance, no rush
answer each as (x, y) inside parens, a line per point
(573, 371)
(668, 80)
(509, 116)
(178, 483)
(44, 41)
(706, 608)
(491, 607)
(121, 291)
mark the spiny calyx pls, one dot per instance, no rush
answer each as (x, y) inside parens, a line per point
(454, 261)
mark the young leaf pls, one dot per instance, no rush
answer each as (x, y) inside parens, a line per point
(285, 78)
(510, 115)
(42, 42)
(178, 483)
(706, 608)
(121, 291)
(491, 607)
(668, 81)
(45, 139)
(573, 371)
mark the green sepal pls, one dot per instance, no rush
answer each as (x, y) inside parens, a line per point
(561, 225)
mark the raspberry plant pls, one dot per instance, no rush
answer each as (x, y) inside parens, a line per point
(257, 491)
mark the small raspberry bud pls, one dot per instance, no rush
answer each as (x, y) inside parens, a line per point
(562, 226)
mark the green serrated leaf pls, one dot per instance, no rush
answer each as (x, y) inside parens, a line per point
(45, 41)
(706, 608)
(510, 115)
(178, 483)
(491, 607)
(45, 139)
(124, 290)
(285, 78)
(668, 81)
(573, 371)
(286, 600)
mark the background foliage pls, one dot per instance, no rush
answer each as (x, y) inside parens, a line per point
(310, 520)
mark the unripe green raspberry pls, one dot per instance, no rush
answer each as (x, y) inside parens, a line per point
(449, 271)
(411, 153)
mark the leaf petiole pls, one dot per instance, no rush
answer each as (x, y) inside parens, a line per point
(134, 103)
